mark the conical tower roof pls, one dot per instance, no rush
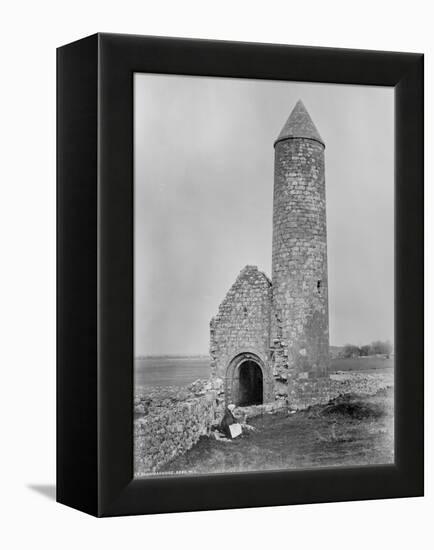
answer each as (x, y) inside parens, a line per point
(299, 125)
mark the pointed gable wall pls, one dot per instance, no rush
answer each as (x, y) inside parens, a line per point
(242, 322)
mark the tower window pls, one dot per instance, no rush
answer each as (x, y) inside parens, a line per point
(318, 287)
(245, 311)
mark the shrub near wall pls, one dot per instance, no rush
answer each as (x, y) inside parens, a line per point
(169, 421)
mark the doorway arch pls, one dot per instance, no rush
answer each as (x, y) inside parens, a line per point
(245, 383)
(251, 384)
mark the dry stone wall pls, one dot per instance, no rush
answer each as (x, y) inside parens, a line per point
(316, 391)
(169, 421)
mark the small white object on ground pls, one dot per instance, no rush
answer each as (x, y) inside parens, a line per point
(235, 430)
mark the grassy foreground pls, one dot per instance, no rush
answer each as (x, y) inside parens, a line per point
(351, 430)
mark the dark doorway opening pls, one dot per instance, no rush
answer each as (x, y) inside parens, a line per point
(250, 384)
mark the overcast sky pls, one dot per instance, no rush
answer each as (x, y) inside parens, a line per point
(204, 163)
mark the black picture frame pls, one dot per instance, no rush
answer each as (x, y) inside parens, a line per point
(95, 274)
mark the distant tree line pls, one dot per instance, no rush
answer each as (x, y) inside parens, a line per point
(375, 348)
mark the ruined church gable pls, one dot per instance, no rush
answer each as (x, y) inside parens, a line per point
(242, 322)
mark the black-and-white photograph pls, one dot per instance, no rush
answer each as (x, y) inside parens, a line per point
(263, 275)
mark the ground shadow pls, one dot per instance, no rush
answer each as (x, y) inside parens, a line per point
(48, 491)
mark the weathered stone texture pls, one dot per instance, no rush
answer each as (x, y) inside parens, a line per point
(169, 421)
(242, 323)
(300, 294)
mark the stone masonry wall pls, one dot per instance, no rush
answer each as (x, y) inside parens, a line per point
(169, 421)
(299, 324)
(242, 322)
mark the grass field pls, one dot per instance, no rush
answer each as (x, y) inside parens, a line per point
(361, 364)
(349, 431)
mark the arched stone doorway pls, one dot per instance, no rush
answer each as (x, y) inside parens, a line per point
(251, 384)
(245, 383)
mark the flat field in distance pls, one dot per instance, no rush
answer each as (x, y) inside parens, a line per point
(182, 370)
(362, 364)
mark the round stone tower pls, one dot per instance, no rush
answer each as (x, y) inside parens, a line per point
(299, 323)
